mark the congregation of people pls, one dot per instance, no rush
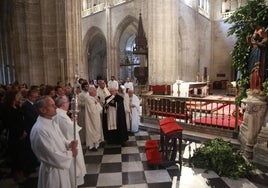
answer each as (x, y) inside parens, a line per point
(37, 123)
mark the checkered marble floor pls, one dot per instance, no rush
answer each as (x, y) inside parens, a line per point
(115, 166)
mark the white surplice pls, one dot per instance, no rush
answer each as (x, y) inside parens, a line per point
(128, 85)
(102, 94)
(93, 124)
(132, 114)
(111, 114)
(51, 148)
(67, 127)
(113, 84)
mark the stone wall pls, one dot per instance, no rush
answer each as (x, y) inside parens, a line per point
(45, 41)
(181, 42)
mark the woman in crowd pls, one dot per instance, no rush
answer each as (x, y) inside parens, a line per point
(13, 121)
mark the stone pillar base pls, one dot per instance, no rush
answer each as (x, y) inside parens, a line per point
(243, 138)
(253, 120)
(248, 151)
(260, 150)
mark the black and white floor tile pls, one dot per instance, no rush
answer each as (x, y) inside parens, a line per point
(115, 166)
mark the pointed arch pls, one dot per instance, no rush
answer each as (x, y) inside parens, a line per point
(95, 54)
(130, 24)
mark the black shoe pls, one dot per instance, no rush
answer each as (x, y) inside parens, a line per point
(102, 144)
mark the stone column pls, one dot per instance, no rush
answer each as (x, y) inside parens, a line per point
(162, 41)
(255, 107)
(73, 40)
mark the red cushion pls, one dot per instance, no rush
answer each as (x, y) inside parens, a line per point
(170, 128)
(166, 121)
(153, 156)
(150, 144)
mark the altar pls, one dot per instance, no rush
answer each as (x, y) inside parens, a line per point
(193, 89)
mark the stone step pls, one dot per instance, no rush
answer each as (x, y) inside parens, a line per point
(152, 126)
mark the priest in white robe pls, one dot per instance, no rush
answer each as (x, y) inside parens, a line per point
(93, 124)
(132, 108)
(128, 85)
(102, 91)
(67, 127)
(51, 148)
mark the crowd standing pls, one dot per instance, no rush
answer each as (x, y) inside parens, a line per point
(38, 126)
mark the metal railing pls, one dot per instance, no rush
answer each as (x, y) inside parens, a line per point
(219, 115)
(226, 15)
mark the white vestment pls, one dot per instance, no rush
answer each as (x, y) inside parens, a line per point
(132, 114)
(51, 148)
(111, 114)
(93, 124)
(128, 85)
(81, 98)
(102, 93)
(67, 127)
(113, 84)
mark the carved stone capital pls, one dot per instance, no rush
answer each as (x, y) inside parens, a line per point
(252, 108)
(254, 103)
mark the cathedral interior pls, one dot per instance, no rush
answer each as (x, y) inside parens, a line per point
(152, 42)
(48, 41)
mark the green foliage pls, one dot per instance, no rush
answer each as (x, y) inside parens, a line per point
(243, 22)
(265, 86)
(220, 156)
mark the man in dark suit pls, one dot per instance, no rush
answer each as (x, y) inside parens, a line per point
(30, 115)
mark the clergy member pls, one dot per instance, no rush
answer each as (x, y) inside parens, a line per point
(114, 119)
(132, 108)
(67, 128)
(113, 83)
(102, 91)
(93, 124)
(51, 148)
(128, 85)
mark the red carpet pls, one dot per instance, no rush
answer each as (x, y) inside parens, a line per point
(206, 107)
(218, 121)
(212, 107)
(226, 110)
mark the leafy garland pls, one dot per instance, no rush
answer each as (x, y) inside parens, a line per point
(243, 21)
(221, 156)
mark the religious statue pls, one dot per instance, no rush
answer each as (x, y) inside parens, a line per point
(257, 65)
